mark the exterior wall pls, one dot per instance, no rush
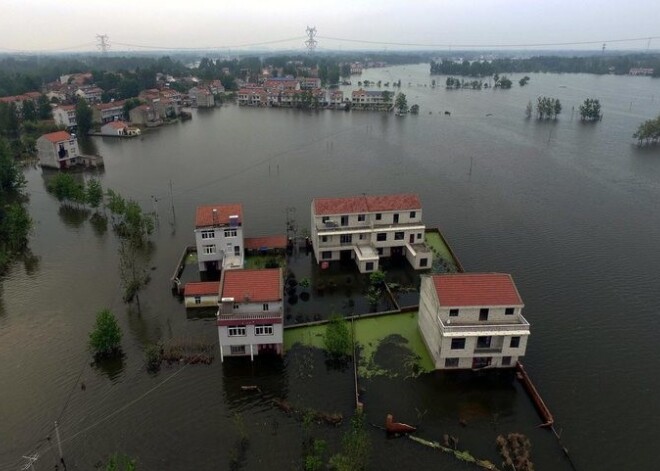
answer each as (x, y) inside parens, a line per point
(416, 256)
(64, 117)
(439, 345)
(207, 300)
(222, 244)
(48, 153)
(250, 339)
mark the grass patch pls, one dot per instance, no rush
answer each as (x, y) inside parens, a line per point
(439, 247)
(264, 261)
(370, 333)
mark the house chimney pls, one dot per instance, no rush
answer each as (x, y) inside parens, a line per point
(215, 216)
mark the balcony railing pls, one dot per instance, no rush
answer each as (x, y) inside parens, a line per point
(488, 350)
(377, 225)
(456, 327)
(250, 316)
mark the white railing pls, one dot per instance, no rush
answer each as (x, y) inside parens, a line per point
(520, 323)
(245, 316)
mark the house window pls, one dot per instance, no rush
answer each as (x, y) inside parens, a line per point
(483, 342)
(237, 306)
(423, 262)
(346, 238)
(209, 249)
(361, 236)
(264, 306)
(266, 329)
(230, 232)
(381, 236)
(236, 331)
(419, 235)
(399, 236)
(379, 250)
(395, 218)
(483, 314)
(361, 217)
(509, 311)
(324, 238)
(326, 255)
(237, 349)
(344, 220)
(506, 361)
(198, 300)
(237, 250)
(412, 214)
(379, 216)
(451, 362)
(369, 266)
(458, 344)
(325, 219)
(515, 342)
(453, 313)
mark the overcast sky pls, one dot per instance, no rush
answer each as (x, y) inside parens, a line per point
(73, 24)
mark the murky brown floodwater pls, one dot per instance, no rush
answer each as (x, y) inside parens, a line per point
(569, 209)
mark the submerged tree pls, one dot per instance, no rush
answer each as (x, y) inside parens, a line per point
(523, 81)
(529, 109)
(547, 108)
(648, 132)
(590, 110)
(105, 339)
(83, 117)
(337, 338)
(401, 103)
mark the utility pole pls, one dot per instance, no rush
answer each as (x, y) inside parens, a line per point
(103, 43)
(172, 203)
(30, 464)
(59, 441)
(310, 42)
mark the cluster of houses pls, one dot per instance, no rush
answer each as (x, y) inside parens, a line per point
(289, 92)
(467, 320)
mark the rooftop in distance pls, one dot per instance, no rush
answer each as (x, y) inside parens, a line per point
(205, 215)
(366, 204)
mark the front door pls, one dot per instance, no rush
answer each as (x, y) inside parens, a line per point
(412, 238)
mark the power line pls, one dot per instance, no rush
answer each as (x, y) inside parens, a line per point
(197, 48)
(103, 43)
(311, 43)
(488, 46)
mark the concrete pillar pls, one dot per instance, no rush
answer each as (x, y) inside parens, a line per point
(251, 353)
(222, 359)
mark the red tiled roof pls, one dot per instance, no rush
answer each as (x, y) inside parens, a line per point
(255, 286)
(112, 104)
(67, 107)
(365, 204)
(58, 136)
(476, 289)
(204, 214)
(200, 289)
(270, 242)
(117, 124)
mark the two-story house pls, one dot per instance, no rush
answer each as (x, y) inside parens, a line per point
(219, 236)
(365, 228)
(58, 150)
(65, 115)
(472, 320)
(107, 112)
(250, 315)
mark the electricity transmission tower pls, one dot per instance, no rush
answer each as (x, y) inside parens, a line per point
(103, 43)
(310, 42)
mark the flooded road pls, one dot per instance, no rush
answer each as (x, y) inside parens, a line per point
(568, 208)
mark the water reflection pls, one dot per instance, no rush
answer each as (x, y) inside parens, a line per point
(111, 367)
(73, 217)
(99, 223)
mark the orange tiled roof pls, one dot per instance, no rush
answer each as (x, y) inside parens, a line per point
(58, 136)
(366, 204)
(204, 215)
(254, 286)
(476, 289)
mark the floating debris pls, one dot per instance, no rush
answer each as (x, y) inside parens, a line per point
(516, 451)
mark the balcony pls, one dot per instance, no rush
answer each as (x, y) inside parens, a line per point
(518, 326)
(250, 316)
(333, 227)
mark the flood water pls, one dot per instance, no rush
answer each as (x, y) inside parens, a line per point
(570, 209)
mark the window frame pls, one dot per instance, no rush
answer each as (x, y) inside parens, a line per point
(515, 339)
(381, 237)
(237, 331)
(452, 362)
(459, 341)
(454, 312)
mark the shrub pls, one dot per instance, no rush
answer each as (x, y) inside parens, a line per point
(337, 338)
(105, 339)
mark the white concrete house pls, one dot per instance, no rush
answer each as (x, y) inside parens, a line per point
(118, 128)
(472, 320)
(219, 236)
(366, 228)
(58, 150)
(202, 294)
(250, 316)
(65, 115)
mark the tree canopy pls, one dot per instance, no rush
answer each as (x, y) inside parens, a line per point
(547, 108)
(105, 338)
(648, 132)
(83, 117)
(590, 110)
(337, 338)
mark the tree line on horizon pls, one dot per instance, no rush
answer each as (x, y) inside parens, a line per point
(618, 65)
